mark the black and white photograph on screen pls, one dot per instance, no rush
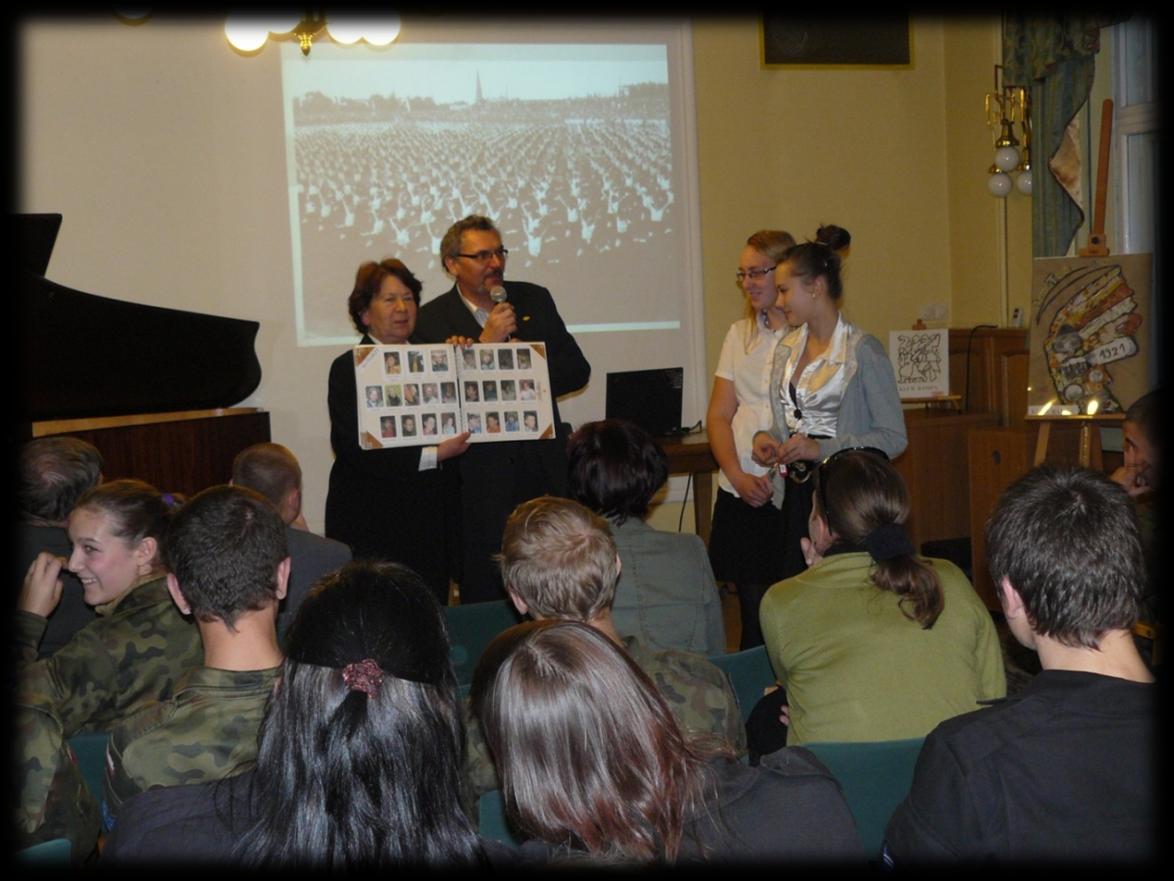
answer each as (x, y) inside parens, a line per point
(388, 151)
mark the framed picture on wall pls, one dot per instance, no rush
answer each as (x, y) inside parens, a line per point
(881, 40)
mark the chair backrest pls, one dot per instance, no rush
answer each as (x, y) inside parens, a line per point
(749, 672)
(491, 819)
(90, 749)
(875, 778)
(54, 852)
(471, 628)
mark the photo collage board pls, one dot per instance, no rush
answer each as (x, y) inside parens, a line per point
(419, 395)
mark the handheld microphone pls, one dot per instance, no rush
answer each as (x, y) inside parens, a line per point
(498, 295)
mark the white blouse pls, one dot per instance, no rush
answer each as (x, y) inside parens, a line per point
(820, 388)
(750, 374)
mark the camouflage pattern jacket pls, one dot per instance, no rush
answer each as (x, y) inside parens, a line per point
(54, 800)
(207, 731)
(697, 692)
(130, 656)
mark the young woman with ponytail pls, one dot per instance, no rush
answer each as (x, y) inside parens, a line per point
(873, 642)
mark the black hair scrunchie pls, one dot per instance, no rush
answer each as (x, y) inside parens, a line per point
(888, 542)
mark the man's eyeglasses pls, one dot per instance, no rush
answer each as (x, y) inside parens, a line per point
(486, 256)
(754, 274)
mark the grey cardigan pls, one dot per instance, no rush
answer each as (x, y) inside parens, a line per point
(870, 411)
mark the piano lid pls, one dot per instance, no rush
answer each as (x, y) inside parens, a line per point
(83, 355)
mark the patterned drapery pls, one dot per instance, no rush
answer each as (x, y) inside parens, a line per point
(1055, 55)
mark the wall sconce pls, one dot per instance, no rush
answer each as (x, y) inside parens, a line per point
(1005, 106)
(249, 33)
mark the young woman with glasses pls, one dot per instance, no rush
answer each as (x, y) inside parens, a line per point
(873, 642)
(746, 542)
(832, 385)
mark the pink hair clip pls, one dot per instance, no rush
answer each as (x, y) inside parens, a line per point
(364, 676)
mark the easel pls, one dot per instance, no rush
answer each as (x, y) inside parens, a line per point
(1089, 455)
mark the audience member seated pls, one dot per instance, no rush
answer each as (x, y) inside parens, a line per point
(228, 568)
(872, 642)
(1141, 476)
(595, 768)
(358, 764)
(274, 472)
(1066, 770)
(666, 594)
(51, 799)
(54, 472)
(139, 644)
(559, 561)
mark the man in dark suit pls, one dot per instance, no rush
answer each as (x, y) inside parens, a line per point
(496, 477)
(274, 472)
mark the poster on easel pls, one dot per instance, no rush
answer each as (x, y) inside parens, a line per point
(413, 395)
(921, 362)
(1089, 332)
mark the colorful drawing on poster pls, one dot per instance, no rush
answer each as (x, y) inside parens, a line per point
(1089, 332)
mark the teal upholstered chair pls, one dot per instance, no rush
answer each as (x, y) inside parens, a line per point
(90, 749)
(749, 672)
(491, 818)
(49, 854)
(471, 628)
(875, 778)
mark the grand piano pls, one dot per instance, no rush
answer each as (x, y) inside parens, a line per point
(152, 388)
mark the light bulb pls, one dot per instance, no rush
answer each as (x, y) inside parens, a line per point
(1023, 182)
(383, 32)
(246, 33)
(345, 30)
(1006, 158)
(999, 184)
(282, 23)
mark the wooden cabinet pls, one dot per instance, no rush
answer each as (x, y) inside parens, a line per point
(175, 452)
(997, 458)
(936, 471)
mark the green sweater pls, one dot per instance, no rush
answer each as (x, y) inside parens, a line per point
(856, 669)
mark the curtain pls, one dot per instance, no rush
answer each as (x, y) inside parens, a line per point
(1055, 56)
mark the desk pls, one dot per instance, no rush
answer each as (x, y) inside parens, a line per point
(690, 454)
